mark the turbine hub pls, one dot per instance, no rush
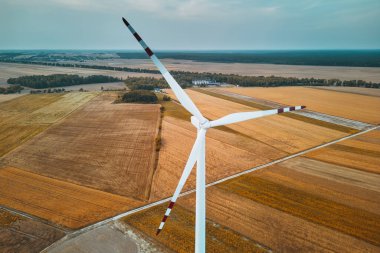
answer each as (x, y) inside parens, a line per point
(198, 125)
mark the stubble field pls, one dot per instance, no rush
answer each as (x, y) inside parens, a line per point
(351, 106)
(110, 147)
(300, 205)
(283, 133)
(61, 203)
(24, 117)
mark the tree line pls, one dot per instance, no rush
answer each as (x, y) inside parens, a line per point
(11, 89)
(185, 80)
(59, 80)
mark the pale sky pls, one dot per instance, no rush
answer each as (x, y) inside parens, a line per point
(191, 24)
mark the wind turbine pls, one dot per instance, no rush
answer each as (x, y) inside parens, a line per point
(197, 153)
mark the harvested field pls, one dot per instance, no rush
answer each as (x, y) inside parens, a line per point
(11, 70)
(20, 234)
(353, 221)
(283, 133)
(68, 205)
(249, 69)
(227, 154)
(7, 97)
(303, 115)
(361, 153)
(24, 117)
(354, 90)
(178, 235)
(346, 105)
(354, 188)
(277, 230)
(105, 146)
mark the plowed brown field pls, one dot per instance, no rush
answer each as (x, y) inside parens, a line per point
(26, 116)
(20, 234)
(62, 203)
(110, 147)
(351, 106)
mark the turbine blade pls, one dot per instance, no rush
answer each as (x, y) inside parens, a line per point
(183, 98)
(185, 174)
(243, 116)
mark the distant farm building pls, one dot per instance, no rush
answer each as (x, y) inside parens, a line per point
(205, 82)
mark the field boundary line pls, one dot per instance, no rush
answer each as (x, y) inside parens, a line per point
(114, 218)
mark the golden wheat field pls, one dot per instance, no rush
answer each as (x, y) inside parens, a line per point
(24, 117)
(179, 233)
(283, 133)
(361, 153)
(347, 105)
(300, 205)
(62, 203)
(227, 154)
(105, 146)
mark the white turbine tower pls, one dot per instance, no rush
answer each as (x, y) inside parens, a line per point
(197, 153)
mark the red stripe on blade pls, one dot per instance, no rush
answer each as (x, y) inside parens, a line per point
(292, 108)
(281, 110)
(137, 36)
(171, 204)
(158, 231)
(165, 218)
(148, 51)
(303, 107)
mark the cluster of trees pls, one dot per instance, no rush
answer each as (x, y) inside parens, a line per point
(11, 89)
(59, 80)
(47, 91)
(139, 96)
(145, 83)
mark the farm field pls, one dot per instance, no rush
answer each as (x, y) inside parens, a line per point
(26, 116)
(20, 234)
(179, 233)
(283, 133)
(354, 90)
(361, 153)
(61, 203)
(227, 154)
(7, 97)
(250, 69)
(300, 205)
(97, 86)
(352, 106)
(105, 146)
(11, 70)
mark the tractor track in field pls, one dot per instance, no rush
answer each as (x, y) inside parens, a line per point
(114, 218)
